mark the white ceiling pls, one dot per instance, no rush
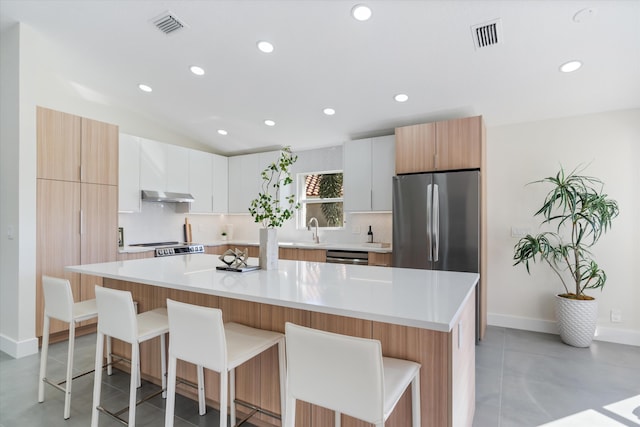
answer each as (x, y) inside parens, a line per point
(323, 57)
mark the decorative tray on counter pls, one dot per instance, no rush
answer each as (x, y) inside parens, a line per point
(238, 269)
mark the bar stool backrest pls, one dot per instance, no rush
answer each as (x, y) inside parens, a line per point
(338, 372)
(117, 314)
(197, 334)
(58, 298)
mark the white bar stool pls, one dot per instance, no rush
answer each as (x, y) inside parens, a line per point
(58, 304)
(199, 336)
(117, 318)
(348, 375)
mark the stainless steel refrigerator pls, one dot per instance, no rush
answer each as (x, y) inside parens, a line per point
(436, 222)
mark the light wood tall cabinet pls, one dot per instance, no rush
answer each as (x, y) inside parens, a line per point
(77, 201)
(439, 146)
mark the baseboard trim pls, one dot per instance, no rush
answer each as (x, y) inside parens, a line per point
(603, 333)
(18, 349)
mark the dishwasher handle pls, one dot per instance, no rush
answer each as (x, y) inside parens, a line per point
(354, 261)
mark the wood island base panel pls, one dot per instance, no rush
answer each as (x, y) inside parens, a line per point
(309, 295)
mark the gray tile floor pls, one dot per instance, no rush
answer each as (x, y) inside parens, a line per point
(522, 379)
(530, 379)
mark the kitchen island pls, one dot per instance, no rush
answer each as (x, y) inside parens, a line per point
(421, 315)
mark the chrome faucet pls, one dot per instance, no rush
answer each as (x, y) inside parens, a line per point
(316, 238)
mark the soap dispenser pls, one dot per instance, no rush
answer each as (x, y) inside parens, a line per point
(370, 235)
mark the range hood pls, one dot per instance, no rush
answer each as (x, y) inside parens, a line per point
(162, 196)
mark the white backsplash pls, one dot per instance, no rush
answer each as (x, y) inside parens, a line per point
(158, 222)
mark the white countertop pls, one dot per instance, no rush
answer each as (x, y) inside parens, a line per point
(368, 247)
(410, 297)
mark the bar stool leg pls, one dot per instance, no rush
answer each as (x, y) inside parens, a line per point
(163, 362)
(338, 419)
(97, 379)
(290, 415)
(415, 401)
(224, 379)
(202, 405)
(283, 380)
(109, 357)
(68, 383)
(43, 358)
(232, 396)
(171, 393)
(135, 366)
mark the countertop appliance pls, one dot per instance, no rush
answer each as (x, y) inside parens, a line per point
(347, 257)
(184, 249)
(436, 222)
(173, 248)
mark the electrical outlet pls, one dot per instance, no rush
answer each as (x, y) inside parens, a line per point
(616, 315)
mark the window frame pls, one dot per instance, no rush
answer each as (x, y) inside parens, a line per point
(302, 191)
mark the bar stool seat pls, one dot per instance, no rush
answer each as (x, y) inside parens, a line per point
(198, 335)
(348, 375)
(59, 304)
(117, 318)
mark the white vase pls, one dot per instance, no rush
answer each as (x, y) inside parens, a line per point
(268, 249)
(576, 320)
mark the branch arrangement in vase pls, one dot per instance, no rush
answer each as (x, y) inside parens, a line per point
(582, 213)
(268, 208)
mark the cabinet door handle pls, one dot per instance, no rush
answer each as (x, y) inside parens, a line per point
(81, 222)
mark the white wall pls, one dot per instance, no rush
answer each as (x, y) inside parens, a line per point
(609, 145)
(9, 194)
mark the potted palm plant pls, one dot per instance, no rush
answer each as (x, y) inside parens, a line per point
(272, 209)
(581, 213)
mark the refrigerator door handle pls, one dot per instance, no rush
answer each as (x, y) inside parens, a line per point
(429, 221)
(435, 231)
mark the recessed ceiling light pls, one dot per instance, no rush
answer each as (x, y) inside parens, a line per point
(198, 71)
(269, 122)
(265, 46)
(222, 132)
(361, 12)
(401, 97)
(571, 66)
(145, 88)
(329, 111)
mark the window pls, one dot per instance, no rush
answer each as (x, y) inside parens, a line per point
(320, 197)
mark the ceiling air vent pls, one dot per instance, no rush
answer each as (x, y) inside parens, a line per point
(487, 34)
(167, 23)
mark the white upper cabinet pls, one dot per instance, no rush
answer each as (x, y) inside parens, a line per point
(208, 182)
(244, 173)
(153, 165)
(383, 167)
(163, 167)
(357, 175)
(201, 181)
(177, 168)
(369, 165)
(129, 173)
(245, 178)
(220, 184)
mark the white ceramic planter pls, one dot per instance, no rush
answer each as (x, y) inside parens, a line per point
(576, 320)
(268, 249)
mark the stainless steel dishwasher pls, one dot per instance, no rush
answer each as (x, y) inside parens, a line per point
(347, 257)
